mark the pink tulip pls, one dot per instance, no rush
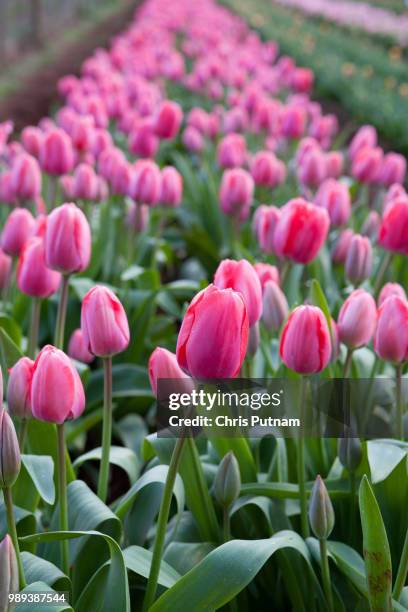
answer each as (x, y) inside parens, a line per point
(171, 187)
(232, 151)
(266, 228)
(267, 272)
(393, 234)
(77, 348)
(57, 394)
(394, 192)
(357, 319)
(267, 169)
(342, 246)
(293, 122)
(236, 193)
(56, 152)
(334, 164)
(142, 140)
(7, 194)
(31, 139)
(34, 278)
(5, 269)
(302, 80)
(82, 133)
(104, 323)
(312, 170)
(305, 344)
(301, 231)
(359, 259)
(391, 336)
(25, 177)
(193, 139)
(241, 276)
(145, 184)
(371, 225)
(335, 198)
(17, 230)
(168, 120)
(367, 164)
(163, 365)
(213, 337)
(390, 289)
(393, 169)
(19, 388)
(85, 183)
(275, 307)
(67, 240)
(365, 137)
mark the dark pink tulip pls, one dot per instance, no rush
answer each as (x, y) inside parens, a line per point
(335, 198)
(242, 277)
(359, 259)
(104, 323)
(391, 289)
(142, 140)
(31, 139)
(85, 183)
(306, 145)
(293, 122)
(213, 337)
(193, 139)
(365, 137)
(34, 278)
(334, 164)
(357, 319)
(57, 394)
(17, 230)
(82, 133)
(391, 336)
(393, 233)
(145, 183)
(341, 247)
(393, 169)
(236, 193)
(267, 169)
(171, 187)
(164, 364)
(5, 269)
(267, 272)
(312, 170)
(25, 177)
(19, 388)
(305, 344)
(275, 307)
(67, 240)
(266, 227)
(235, 120)
(7, 195)
(77, 348)
(367, 164)
(56, 152)
(232, 151)
(168, 120)
(301, 230)
(371, 225)
(302, 80)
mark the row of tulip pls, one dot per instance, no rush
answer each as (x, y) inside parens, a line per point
(149, 183)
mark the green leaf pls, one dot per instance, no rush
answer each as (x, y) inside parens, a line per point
(120, 456)
(287, 490)
(9, 351)
(37, 569)
(383, 458)
(138, 560)
(318, 298)
(183, 556)
(41, 472)
(42, 587)
(377, 556)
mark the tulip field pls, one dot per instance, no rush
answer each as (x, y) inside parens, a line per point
(189, 219)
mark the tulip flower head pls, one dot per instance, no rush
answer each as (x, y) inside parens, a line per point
(67, 240)
(357, 319)
(391, 336)
(34, 278)
(163, 364)
(19, 388)
(241, 276)
(77, 348)
(10, 459)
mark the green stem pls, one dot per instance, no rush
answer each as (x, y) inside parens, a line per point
(301, 471)
(399, 402)
(34, 327)
(347, 363)
(353, 499)
(62, 313)
(226, 524)
(381, 272)
(8, 501)
(22, 434)
(106, 430)
(162, 525)
(62, 497)
(402, 571)
(326, 575)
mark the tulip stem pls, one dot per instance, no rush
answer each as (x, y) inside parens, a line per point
(106, 430)
(62, 313)
(8, 501)
(62, 497)
(34, 327)
(399, 402)
(386, 260)
(347, 363)
(402, 571)
(22, 434)
(162, 524)
(324, 561)
(301, 463)
(226, 524)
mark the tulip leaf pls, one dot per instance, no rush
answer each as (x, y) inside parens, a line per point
(42, 587)
(120, 456)
(377, 556)
(41, 472)
(287, 490)
(383, 458)
(10, 352)
(183, 556)
(128, 381)
(318, 298)
(37, 569)
(138, 560)
(25, 521)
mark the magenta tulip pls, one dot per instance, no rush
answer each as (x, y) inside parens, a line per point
(357, 319)
(171, 187)
(17, 230)
(267, 272)
(56, 152)
(335, 198)
(236, 193)
(391, 336)
(168, 120)
(164, 365)
(393, 234)
(34, 278)
(241, 276)
(25, 177)
(359, 259)
(391, 289)
(77, 348)
(19, 388)
(67, 240)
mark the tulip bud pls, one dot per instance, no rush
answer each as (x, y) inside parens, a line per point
(267, 170)
(56, 152)
(391, 336)
(163, 364)
(77, 348)
(57, 394)
(85, 185)
(9, 579)
(202, 350)
(365, 137)
(171, 187)
(104, 323)
(321, 513)
(67, 240)
(193, 139)
(31, 138)
(266, 273)
(275, 307)
(367, 164)
(312, 170)
(293, 122)
(302, 80)
(334, 164)
(391, 289)
(17, 230)
(350, 453)
(236, 193)
(168, 120)
(25, 177)
(10, 459)
(232, 151)
(19, 388)
(393, 169)
(241, 276)
(266, 228)
(227, 482)
(359, 259)
(145, 183)
(34, 278)
(301, 230)
(393, 234)
(357, 319)
(371, 225)
(305, 344)
(394, 192)
(335, 198)
(142, 140)
(5, 269)
(342, 246)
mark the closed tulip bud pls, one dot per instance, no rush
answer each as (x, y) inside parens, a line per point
(350, 453)
(334, 164)
(57, 394)
(241, 276)
(168, 120)
(10, 459)
(67, 240)
(77, 348)
(104, 323)
(17, 230)
(193, 139)
(9, 579)
(171, 187)
(359, 259)
(232, 151)
(19, 388)
(267, 170)
(391, 289)
(163, 365)
(275, 306)
(236, 193)
(56, 152)
(267, 272)
(335, 198)
(371, 225)
(145, 183)
(213, 337)
(82, 133)
(393, 234)
(227, 482)
(7, 195)
(142, 140)
(393, 169)
(301, 231)
(366, 165)
(393, 193)
(302, 80)
(357, 319)
(266, 228)
(305, 344)
(321, 513)
(85, 185)
(391, 335)
(341, 247)
(34, 278)
(293, 122)
(312, 170)
(31, 139)
(5, 269)
(25, 177)
(365, 137)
